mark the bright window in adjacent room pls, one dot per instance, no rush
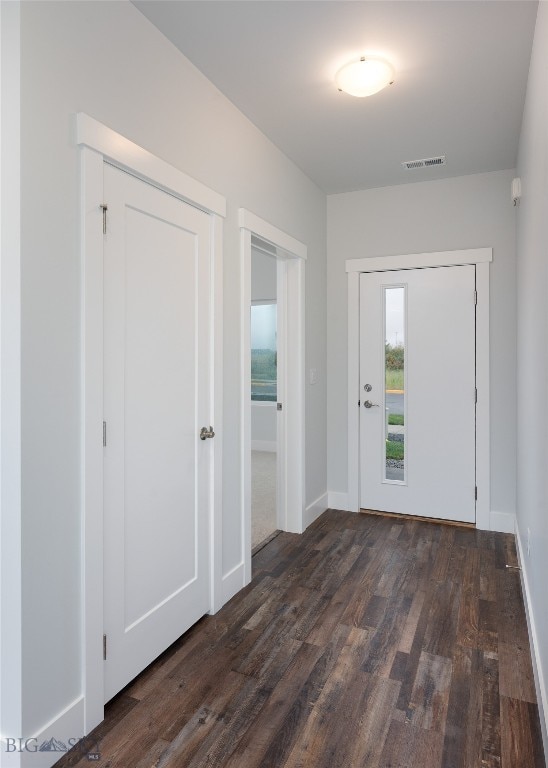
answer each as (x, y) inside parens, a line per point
(263, 352)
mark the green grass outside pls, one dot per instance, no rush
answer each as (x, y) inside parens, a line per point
(396, 419)
(394, 379)
(394, 450)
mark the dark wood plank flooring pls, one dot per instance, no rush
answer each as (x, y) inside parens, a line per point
(367, 642)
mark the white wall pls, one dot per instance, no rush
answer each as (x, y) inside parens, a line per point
(263, 426)
(107, 60)
(263, 288)
(532, 262)
(464, 212)
(263, 276)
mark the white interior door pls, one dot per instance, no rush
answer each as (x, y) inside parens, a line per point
(156, 399)
(417, 423)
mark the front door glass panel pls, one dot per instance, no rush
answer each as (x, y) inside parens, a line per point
(395, 445)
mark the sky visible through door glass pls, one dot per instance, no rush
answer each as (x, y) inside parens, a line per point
(395, 327)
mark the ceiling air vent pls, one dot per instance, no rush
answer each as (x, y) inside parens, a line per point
(426, 162)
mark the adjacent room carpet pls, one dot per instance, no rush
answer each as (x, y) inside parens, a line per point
(263, 496)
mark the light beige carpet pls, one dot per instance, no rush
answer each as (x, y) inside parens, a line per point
(263, 496)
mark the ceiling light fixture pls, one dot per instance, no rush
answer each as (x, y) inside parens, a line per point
(365, 77)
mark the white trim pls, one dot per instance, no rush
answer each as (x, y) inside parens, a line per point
(420, 260)
(484, 520)
(216, 396)
(282, 341)
(540, 679)
(314, 510)
(352, 500)
(11, 606)
(92, 163)
(279, 239)
(65, 727)
(232, 582)
(245, 401)
(291, 255)
(125, 154)
(293, 446)
(339, 500)
(503, 522)
(480, 257)
(269, 446)
(91, 486)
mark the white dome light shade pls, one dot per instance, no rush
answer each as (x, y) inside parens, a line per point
(365, 77)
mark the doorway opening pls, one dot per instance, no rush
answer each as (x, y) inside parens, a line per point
(272, 393)
(264, 395)
(376, 373)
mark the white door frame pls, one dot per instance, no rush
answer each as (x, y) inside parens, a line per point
(99, 144)
(11, 598)
(480, 257)
(291, 440)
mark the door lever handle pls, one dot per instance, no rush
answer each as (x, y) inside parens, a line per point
(369, 404)
(205, 432)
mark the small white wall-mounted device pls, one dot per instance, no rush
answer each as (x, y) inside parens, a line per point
(516, 191)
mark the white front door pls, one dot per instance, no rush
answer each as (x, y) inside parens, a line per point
(417, 389)
(156, 399)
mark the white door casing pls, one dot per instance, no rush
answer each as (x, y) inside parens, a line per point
(291, 256)
(99, 144)
(156, 381)
(481, 258)
(281, 427)
(439, 432)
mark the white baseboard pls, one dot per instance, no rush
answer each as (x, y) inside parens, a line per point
(66, 728)
(232, 582)
(264, 445)
(338, 500)
(503, 522)
(540, 680)
(314, 510)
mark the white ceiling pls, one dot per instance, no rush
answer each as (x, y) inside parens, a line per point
(461, 73)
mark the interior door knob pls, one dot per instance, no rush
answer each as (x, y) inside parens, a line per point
(369, 404)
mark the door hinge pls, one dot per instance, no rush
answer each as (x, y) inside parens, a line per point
(476, 394)
(475, 298)
(279, 406)
(104, 208)
(359, 403)
(476, 493)
(104, 647)
(104, 434)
